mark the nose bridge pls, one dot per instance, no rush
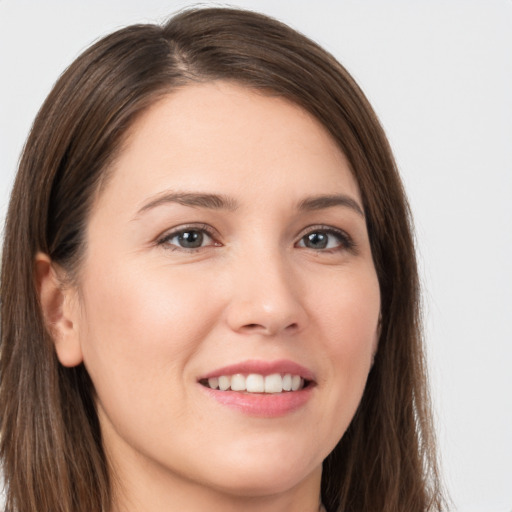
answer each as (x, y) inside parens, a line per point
(266, 297)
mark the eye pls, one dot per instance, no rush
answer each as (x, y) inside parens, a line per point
(188, 238)
(321, 239)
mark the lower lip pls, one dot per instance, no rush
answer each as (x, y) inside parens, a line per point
(265, 405)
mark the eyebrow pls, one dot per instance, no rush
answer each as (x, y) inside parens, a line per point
(222, 202)
(329, 201)
(200, 200)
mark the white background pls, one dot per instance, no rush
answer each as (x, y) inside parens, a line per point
(439, 74)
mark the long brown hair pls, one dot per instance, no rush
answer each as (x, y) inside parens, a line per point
(51, 446)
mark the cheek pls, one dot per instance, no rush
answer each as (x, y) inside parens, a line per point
(141, 328)
(148, 307)
(347, 320)
(347, 308)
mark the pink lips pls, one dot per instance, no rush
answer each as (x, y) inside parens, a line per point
(263, 368)
(262, 404)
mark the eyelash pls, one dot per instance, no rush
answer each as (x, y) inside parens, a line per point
(202, 228)
(345, 242)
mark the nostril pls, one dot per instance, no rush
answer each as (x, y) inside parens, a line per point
(270, 329)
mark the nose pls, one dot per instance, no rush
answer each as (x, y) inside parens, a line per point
(266, 298)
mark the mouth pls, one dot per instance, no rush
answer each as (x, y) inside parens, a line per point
(274, 383)
(265, 389)
(260, 377)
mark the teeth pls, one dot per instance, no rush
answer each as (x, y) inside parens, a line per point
(296, 382)
(238, 382)
(256, 383)
(224, 383)
(213, 382)
(274, 383)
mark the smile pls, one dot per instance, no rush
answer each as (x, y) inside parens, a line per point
(265, 389)
(256, 383)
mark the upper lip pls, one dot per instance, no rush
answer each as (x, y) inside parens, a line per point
(261, 367)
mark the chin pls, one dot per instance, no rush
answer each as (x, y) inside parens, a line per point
(270, 473)
(245, 482)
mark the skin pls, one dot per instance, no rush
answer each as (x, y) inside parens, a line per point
(148, 317)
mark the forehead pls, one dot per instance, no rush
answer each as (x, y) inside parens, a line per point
(226, 138)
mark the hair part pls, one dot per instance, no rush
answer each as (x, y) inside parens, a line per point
(50, 443)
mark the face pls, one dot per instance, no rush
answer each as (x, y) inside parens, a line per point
(228, 249)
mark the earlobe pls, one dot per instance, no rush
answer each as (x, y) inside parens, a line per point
(60, 311)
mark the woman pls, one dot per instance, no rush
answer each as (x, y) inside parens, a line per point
(209, 288)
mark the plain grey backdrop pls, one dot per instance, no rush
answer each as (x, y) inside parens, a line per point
(439, 74)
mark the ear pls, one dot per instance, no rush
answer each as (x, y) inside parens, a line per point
(59, 306)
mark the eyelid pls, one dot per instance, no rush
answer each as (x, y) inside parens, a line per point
(346, 241)
(167, 235)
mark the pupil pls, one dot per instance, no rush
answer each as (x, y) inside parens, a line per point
(191, 239)
(317, 240)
